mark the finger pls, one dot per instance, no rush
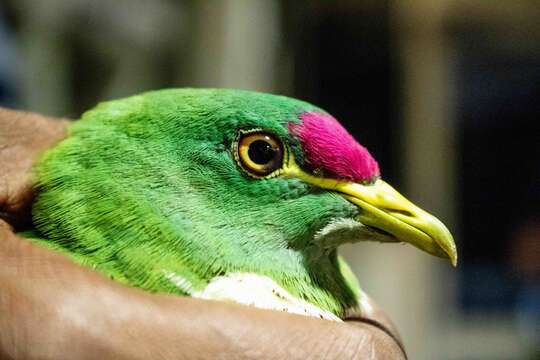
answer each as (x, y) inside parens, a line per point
(368, 311)
(23, 138)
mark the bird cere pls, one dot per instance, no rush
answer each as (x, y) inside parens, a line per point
(223, 194)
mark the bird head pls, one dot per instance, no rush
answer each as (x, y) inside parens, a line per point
(222, 180)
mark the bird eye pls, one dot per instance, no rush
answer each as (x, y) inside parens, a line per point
(259, 153)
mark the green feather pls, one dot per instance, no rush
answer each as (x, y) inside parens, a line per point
(147, 186)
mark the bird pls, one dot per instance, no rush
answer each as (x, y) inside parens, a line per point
(223, 194)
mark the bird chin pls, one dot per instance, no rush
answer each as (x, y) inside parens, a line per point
(348, 230)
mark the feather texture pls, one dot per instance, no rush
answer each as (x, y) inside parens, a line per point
(146, 190)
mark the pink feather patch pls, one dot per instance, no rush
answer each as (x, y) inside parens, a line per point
(329, 147)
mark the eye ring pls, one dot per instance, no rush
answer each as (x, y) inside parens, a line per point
(258, 152)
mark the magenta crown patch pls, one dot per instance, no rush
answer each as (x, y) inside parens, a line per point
(329, 147)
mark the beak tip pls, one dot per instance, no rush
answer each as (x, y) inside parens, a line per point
(452, 255)
(448, 246)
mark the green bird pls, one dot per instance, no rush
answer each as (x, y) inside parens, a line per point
(223, 194)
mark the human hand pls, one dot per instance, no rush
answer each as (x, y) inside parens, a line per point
(51, 308)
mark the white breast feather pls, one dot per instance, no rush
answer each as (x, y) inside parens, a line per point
(261, 292)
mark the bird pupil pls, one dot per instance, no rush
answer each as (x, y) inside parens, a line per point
(261, 152)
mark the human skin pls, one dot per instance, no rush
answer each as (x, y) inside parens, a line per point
(52, 308)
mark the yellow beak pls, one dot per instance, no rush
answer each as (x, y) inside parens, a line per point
(385, 209)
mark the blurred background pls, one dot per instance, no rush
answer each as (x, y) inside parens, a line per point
(445, 94)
